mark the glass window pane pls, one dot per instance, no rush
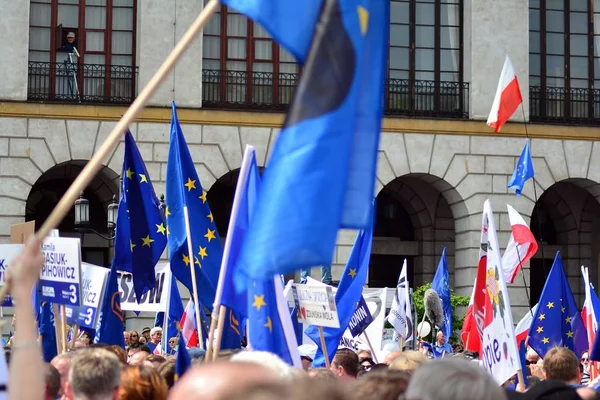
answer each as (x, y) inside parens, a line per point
(123, 3)
(40, 14)
(94, 41)
(579, 97)
(424, 60)
(399, 12)
(237, 25)
(597, 22)
(260, 32)
(288, 68)
(534, 4)
(535, 81)
(535, 67)
(425, 36)
(211, 47)
(236, 66)
(449, 60)
(121, 60)
(95, 17)
(579, 45)
(94, 59)
(425, 14)
(555, 4)
(68, 16)
(555, 21)
(262, 67)
(236, 48)
(263, 49)
(396, 74)
(121, 43)
(39, 56)
(450, 37)
(285, 56)
(211, 65)
(534, 20)
(579, 22)
(450, 14)
(579, 67)
(597, 68)
(555, 43)
(534, 42)
(424, 76)
(449, 77)
(95, 3)
(555, 66)
(214, 26)
(39, 39)
(122, 19)
(398, 58)
(578, 5)
(399, 35)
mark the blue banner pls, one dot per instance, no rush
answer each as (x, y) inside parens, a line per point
(361, 318)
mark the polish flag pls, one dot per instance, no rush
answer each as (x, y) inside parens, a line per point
(157, 350)
(508, 97)
(522, 329)
(189, 328)
(589, 312)
(522, 245)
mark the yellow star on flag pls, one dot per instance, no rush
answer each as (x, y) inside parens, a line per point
(352, 272)
(131, 245)
(210, 235)
(542, 317)
(167, 213)
(363, 17)
(202, 252)
(203, 197)
(269, 324)
(568, 320)
(210, 216)
(540, 329)
(562, 309)
(129, 173)
(259, 301)
(570, 334)
(191, 184)
(186, 260)
(146, 241)
(545, 340)
(196, 261)
(161, 228)
(143, 178)
(550, 304)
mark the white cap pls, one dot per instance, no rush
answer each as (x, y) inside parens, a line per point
(71, 34)
(308, 350)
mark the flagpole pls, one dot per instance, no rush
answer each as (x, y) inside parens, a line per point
(193, 272)
(524, 280)
(371, 347)
(221, 324)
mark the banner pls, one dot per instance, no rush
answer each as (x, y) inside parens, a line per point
(7, 253)
(154, 300)
(361, 318)
(60, 276)
(316, 305)
(93, 283)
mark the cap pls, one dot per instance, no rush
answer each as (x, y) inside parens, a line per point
(71, 34)
(146, 329)
(308, 351)
(196, 353)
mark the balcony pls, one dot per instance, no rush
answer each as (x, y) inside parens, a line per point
(564, 105)
(240, 90)
(88, 83)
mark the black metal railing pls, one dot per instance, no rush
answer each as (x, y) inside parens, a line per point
(562, 105)
(85, 83)
(274, 92)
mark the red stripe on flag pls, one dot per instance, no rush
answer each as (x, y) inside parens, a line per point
(509, 102)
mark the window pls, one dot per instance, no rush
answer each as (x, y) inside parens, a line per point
(564, 58)
(243, 65)
(102, 31)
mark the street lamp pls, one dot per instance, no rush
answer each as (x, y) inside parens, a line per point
(82, 217)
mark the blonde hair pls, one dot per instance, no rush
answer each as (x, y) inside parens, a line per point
(408, 361)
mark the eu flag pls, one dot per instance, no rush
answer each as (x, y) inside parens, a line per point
(347, 296)
(182, 362)
(269, 321)
(557, 321)
(47, 331)
(523, 170)
(110, 322)
(184, 191)
(141, 234)
(173, 316)
(441, 284)
(321, 175)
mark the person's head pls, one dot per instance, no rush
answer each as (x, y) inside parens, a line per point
(71, 37)
(391, 356)
(119, 352)
(146, 333)
(441, 339)
(62, 363)
(138, 358)
(136, 347)
(173, 342)
(167, 371)
(156, 335)
(52, 383)
(80, 343)
(134, 337)
(408, 361)
(345, 364)
(94, 374)
(322, 374)
(364, 354)
(85, 337)
(307, 355)
(381, 385)
(126, 337)
(561, 364)
(142, 383)
(268, 360)
(585, 359)
(451, 379)
(153, 361)
(531, 356)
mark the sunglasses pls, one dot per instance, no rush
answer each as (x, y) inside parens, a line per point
(585, 359)
(171, 341)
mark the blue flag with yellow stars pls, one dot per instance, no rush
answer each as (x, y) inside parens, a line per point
(183, 362)
(557, 321)
(441, 285)
(141, 235)
(321, 174)
(347, 296)
(110, 325)
(184, 191)
(523, 170)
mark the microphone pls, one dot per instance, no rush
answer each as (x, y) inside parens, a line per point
(433, 307)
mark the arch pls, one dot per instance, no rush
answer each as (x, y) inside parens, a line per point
(566, 218)
(53, 184)
(427, 207)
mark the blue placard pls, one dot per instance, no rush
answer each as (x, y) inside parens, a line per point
(93, 282)
(83, 316)
(60, 276)
(361, 318)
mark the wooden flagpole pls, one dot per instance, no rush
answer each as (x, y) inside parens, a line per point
(220, 325)
(324, 347)
(193, 272)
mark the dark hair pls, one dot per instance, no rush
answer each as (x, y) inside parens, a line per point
(52, 381)
(381, 385)
(167, 371)
(7, 354)
(348, 360)
(138, 345)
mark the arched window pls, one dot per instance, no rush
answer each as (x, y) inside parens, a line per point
(564, 59)
(104, 34)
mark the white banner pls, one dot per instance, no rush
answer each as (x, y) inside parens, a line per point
(93, 284)
(316, 305)
(7, 253)
(154, 300)
(60, 276)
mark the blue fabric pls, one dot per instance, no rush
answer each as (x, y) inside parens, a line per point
(141, 234)
(46, 328)
(441, 285)
(110, 322)
(523, 170)
(557, 321)
(522, 354)
(182, 362)
(321, 174)
(347, 296)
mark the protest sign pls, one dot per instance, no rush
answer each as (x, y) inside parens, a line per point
(361, 318)
(315, 305)
(7, 253)
(93, 283)
(154, 300)
(60, 276)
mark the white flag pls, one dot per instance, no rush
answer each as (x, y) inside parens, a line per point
(400, 314)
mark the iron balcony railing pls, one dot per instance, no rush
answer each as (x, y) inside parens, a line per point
(562, 105)
(83, 83)
(273, 92)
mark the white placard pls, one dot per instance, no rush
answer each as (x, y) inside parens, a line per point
(7, 253)
(93, 284)
(316, 305)
(60, 276)
(154, 300)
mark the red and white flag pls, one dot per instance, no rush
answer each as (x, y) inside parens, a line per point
(508, 97)
(189, 328)
(588, 314)
(522, 329)
(522, 245)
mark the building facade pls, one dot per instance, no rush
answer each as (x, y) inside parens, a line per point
(438, 161)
